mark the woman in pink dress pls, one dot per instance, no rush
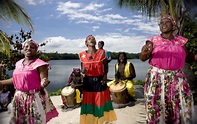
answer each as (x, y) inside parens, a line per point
(31, 103)
(168, 96)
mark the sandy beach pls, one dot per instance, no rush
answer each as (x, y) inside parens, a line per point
(127, 115)
(131, 114)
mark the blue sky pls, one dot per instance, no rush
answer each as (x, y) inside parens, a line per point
(65, 24)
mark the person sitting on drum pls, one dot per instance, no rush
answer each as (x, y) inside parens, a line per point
(76, 81)
(124, 72)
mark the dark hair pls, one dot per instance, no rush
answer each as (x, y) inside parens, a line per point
(125, 58)
(102, 42)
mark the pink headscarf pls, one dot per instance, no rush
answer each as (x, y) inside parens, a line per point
(170, 18)
(30, 40)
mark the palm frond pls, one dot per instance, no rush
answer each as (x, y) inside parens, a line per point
(147, 7)
(10, 10)
(4, 44)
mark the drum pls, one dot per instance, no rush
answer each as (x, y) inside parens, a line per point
(119, 93)
(68, 96)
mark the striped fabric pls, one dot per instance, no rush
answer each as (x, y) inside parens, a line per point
(97, 108)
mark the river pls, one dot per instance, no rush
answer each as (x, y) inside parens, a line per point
(61, 69)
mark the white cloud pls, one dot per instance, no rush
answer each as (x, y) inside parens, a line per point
(92, 7)
(35, 2)
(150, 27)
(121, 31)
(90, 12)
(95, 28)
(115, 16)
(63, 45)
(82, 21)
(85, 13)
(113, 42)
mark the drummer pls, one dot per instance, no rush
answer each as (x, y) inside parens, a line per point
(76, 81)
(124, 72)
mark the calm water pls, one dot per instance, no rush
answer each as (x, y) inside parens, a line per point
(61, 69)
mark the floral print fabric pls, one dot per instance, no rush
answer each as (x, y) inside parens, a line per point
(32, 108)
(168, 98)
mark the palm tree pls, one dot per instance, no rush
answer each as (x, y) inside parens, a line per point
(182, 11)
(10, 10)
(178, 9)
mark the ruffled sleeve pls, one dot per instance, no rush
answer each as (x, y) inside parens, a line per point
(39, 63)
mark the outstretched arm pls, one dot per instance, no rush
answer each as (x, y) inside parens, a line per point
(6, 82)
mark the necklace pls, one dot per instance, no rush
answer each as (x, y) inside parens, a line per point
(26, 62)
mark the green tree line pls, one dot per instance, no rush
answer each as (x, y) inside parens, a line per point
(68, 56)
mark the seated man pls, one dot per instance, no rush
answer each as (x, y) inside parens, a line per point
(76, 81)
(5, 98)
(124, 72)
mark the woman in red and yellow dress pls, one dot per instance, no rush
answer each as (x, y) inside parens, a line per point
(96, 105)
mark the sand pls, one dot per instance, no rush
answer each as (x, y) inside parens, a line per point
(127, 115)
(131, 114)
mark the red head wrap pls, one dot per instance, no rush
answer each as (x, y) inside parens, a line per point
(170, 18)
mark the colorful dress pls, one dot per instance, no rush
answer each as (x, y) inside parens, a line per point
(129, 83)
(167, 93)
(96, 105)
(31, 104)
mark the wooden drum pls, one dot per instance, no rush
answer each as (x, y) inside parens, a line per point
(68, 96)
(119, 93)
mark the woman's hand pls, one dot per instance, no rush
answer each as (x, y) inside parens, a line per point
(147, 48)
(84, 70)
(44, 82)
(146, 51)
(104, 80)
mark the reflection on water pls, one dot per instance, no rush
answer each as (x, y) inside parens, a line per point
(61, 69)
